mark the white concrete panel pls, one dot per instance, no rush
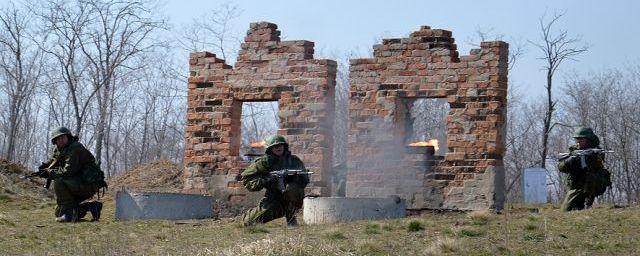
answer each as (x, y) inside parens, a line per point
(534, 185)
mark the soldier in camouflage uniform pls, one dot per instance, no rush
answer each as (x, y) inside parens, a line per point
(275, 204)
(76, 177)
(584, 184)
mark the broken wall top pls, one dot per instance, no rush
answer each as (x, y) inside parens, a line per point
(267, 69)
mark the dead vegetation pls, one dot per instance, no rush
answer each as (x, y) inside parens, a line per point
(14, 185)
(158, 176)
(28, 229)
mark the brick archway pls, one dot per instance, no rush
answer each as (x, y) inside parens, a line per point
(427, 65)
(267, 69)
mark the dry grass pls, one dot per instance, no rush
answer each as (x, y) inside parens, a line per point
(27, 228)
(479, 217)
(443, 245)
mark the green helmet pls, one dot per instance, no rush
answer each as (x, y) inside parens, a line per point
(586, 132)
(59, 131)
(273, 141)
(583, 132)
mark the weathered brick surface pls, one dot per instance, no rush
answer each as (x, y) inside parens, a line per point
(424, 65)
(267, 69)
(427, 65)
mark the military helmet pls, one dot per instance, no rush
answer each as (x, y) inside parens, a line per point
(275, 140)
(58, 132)
(583, 132)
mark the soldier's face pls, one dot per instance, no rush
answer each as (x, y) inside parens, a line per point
(278, 150)
(61, 141)
(582, 142)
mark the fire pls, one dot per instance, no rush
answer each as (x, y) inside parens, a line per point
(259, 144)
(433, 143)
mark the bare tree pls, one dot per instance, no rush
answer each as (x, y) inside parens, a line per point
(66, 23)
(556, 47)
(517, 47)
(119, 31)
(20, 65)
(214, 29)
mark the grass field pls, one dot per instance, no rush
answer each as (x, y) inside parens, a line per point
(27, 228)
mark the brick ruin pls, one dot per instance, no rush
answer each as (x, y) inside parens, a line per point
(266, 69)
(380, 164)
(427, 65)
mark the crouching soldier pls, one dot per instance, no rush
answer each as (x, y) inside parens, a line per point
(76, 177)
(276, 203)
(587, 177)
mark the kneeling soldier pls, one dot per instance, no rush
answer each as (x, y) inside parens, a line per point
(76, 177)
(276, 203)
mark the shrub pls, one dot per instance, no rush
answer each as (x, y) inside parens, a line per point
(415, 226)
(479, 217)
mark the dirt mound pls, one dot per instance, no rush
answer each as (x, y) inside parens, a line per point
(14, 186)
(159, 176)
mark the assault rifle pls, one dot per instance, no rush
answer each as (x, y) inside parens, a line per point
(280, 175)
(582, 154)
(42, 173)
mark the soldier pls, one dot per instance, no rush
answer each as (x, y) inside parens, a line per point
(76, 177)
(275, 204)
(584, 184)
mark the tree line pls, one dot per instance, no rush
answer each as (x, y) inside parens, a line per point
(102, 68)
(115, 73)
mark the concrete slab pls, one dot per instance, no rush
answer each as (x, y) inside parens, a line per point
(321, 210)
(167, 206)
(534, 186)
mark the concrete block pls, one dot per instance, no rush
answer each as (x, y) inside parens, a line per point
(321, 210)
(168, 206)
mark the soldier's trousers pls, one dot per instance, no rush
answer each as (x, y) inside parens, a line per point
(575, 200)
(70, 192)
(276, 205)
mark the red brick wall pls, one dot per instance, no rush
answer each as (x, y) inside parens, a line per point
(267, 69)
(427, 65)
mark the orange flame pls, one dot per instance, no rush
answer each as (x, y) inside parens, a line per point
(433, 143)
(259, 144)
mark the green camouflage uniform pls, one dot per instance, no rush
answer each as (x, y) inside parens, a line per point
(275, 203)
(584, 185)
(76, 177)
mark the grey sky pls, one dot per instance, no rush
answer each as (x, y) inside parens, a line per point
(609, 27)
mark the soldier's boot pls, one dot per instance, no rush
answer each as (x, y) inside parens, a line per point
(92, 207)
(292, 221)
(69, 215)
(95, 208)
(588, 202)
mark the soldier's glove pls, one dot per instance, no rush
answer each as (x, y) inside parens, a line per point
(43, 166)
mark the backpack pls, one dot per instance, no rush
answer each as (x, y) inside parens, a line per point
(94, 175)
